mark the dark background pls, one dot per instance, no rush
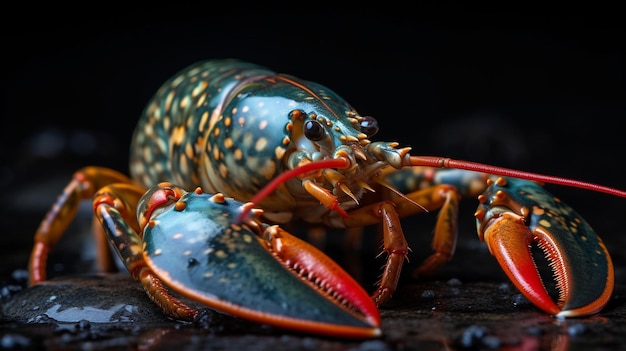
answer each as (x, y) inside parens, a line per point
(537, 89)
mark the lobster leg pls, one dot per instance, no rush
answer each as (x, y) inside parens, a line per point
(85, 182)
(440, 197)
(394, 245)
(111, 208)
(446, 230)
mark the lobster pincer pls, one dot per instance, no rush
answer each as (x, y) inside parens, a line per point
(516, 214)
(194, 244)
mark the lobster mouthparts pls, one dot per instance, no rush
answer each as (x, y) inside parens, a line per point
(255, 271)
(515, 214)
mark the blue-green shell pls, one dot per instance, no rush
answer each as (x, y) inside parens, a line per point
(227, 126)
(198, 248)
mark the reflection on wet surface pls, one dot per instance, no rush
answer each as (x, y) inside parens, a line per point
(96, 315)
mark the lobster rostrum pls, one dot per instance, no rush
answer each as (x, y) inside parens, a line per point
(232, 127)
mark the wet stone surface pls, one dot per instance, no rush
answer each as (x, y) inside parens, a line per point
(110, 312)
(93, 298)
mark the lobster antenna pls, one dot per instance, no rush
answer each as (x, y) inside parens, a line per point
(442, 162)
(292, 173)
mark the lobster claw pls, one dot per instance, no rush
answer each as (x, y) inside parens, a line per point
(254, 271)
(335, 303)
(515, 214)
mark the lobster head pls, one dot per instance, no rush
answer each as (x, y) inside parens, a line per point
(275, 122)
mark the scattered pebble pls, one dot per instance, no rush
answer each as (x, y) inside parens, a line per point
(576, 329)
(491, 342)
(428, 295)
(9, 290)
(535, 330)
(20, 276)
(83, 325)
(477, 336)
(454, 282)
(520, 300)
(372, 345)
(14, 341)
(472, 334)
(504, 288)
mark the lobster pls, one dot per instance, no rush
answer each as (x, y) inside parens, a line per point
(232, 127)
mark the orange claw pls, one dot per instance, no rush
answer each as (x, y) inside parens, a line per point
(509, 224)
(317, 266)
(511, 251)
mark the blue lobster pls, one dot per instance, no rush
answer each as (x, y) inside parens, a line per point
(231, 128)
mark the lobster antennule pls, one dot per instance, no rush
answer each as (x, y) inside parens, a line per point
(442, 162)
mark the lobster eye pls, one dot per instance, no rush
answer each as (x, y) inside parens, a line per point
(314, 130)
(369, 126)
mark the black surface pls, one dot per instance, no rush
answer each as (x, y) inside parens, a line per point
(536, 89)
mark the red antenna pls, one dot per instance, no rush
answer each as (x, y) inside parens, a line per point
(442, 162)
(437, 162)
